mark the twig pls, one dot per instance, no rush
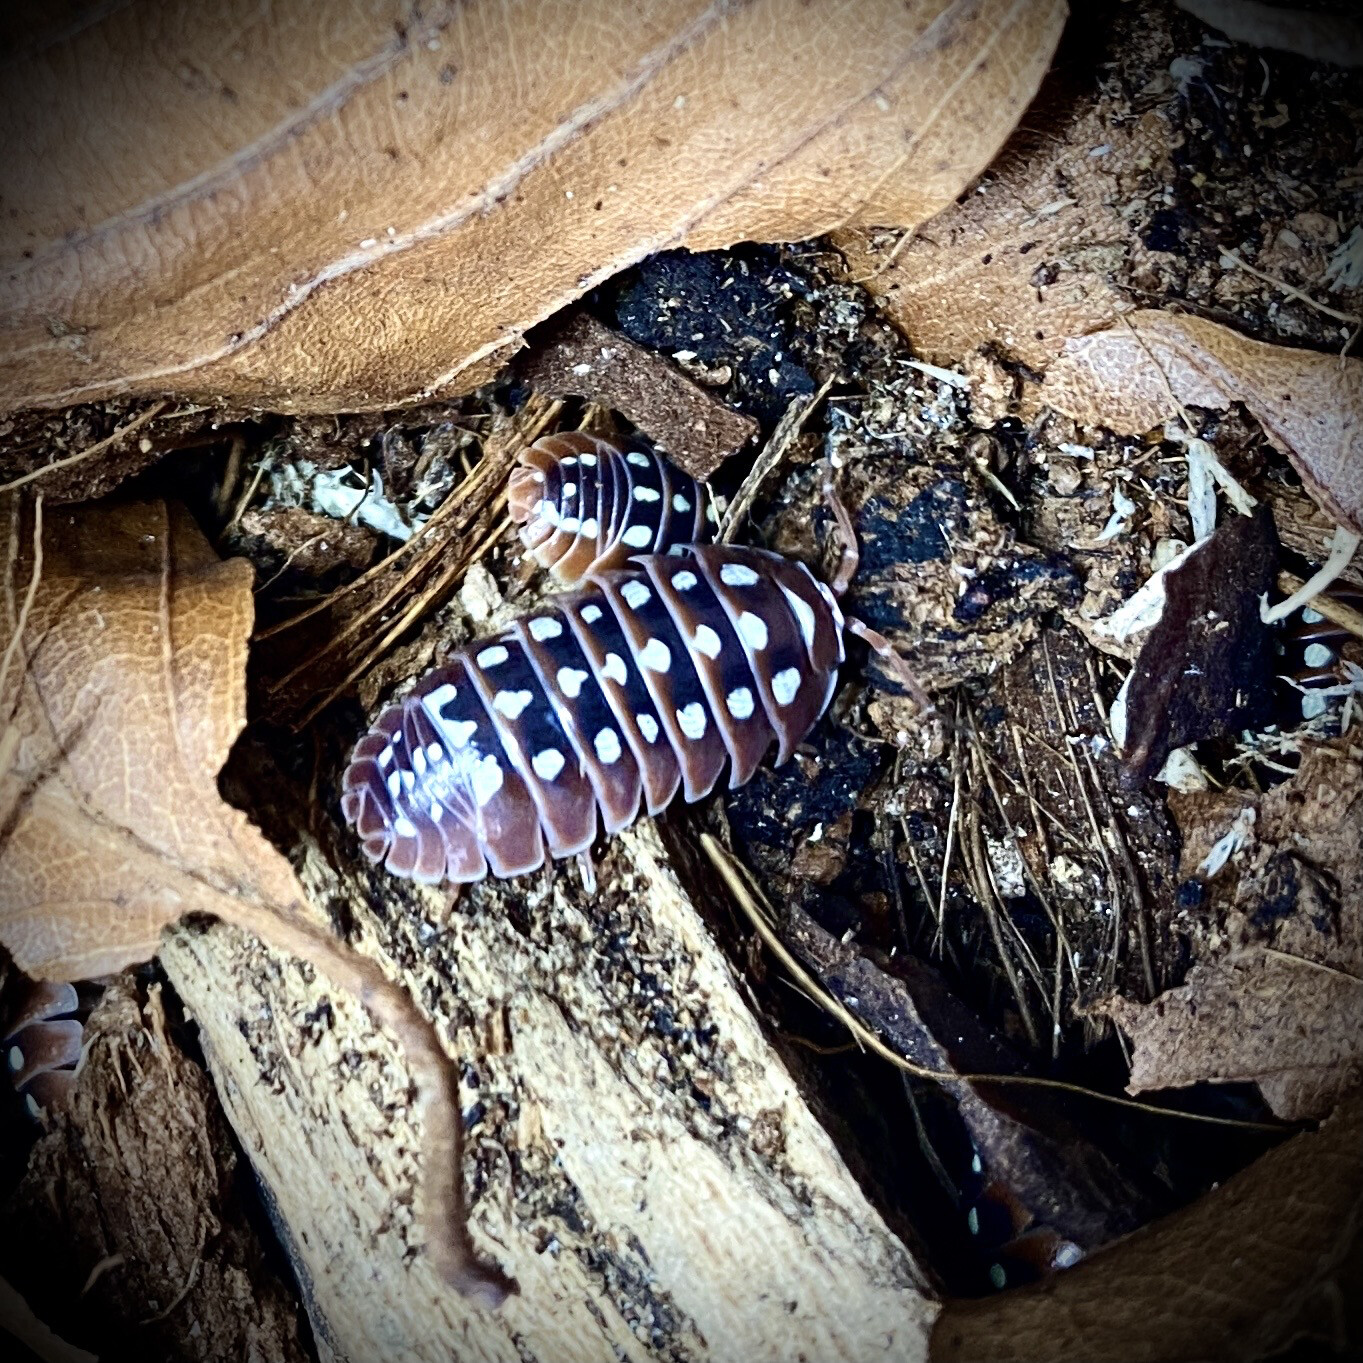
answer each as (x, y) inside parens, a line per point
(760, 914)
(1290, 289)
(782, 438)
(21, 622)
(135, 424)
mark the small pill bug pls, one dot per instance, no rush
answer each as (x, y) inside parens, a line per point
(585, 506)
(672, 659)
(43, 1035)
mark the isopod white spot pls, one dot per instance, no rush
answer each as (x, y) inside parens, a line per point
(591, 614)
(394, 784)
(677, 550)
(511, 703)
(804, 613)
(588, 461)
(568, 462)
(710, 513)
(737, 575)
(656, 656)
(646, 494)
(404, 826)
(636, 595)
(640, 461)
(435, 753)
(648, 726)
(492, 657)
(570, 490)
(487, 779)
(385, 759)
(684, 580)
(607, 744)
(753, 629)
(547, 764)
(458, 731)
(740, 703)
(15, 1059)
(408, 780)
(638, 536)
(691, 718)
(679, 503)
(437, 811)
(570, 681)
(589, 527)
(435, 701)
(570, 525)
(419, 761)
(614, 669)
(707, 641)
(785, 684)
(544, 627)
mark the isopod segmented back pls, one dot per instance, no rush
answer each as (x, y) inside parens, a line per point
(653, 676)
(585, 506)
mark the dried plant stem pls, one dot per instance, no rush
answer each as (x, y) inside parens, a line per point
(762, 917)
(90, 450)
(1290, 290)
(787, 431)
(21, 619)
(1336, 612)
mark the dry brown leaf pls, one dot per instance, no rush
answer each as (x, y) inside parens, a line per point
(125, 689)
(320, 207)
(1310, 405)
(1238, 1275)
(1029, 259)
(1282, 1004)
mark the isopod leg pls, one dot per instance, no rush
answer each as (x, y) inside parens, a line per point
(892, 661)
(850, 554)
(588, 870)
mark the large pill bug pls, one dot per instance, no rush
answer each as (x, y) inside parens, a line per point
(584, 506)
(650, 678)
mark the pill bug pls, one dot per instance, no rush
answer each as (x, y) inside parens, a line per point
(42, 1044)
(585, 506)
(660, 670)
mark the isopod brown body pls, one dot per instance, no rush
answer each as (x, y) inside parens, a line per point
(651, 677)
(585, 505)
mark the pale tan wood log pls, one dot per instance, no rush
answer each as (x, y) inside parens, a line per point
(639, 1218)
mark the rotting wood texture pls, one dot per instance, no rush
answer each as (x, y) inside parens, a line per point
(642, 1162)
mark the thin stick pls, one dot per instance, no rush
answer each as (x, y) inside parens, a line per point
(21, 623)
(782, 438)
(135, 424)
(1290, 290)
(760, 914)
(1336, 612)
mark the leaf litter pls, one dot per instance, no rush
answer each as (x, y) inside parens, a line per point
(1002, 846)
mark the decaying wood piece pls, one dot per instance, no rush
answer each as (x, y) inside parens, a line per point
(585, 358)
(129, 1231)
(340, 207)
(638, 1156)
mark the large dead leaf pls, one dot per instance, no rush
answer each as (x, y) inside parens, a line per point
(322, 207)
(1132, 377)
(1239, 1275)
(124, 689)
(1281, 1003)
(1035, 255)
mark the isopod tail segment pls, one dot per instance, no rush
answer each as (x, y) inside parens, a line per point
(849, 560)
(43, 1036)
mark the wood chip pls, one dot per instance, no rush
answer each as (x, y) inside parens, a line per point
(583, 358)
